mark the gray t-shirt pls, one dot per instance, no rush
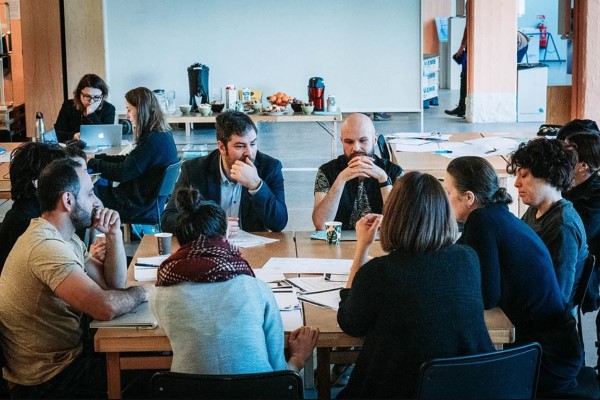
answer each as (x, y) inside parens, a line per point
(40, 332)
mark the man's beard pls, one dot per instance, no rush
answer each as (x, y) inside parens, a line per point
(360, 153)
(80, 218)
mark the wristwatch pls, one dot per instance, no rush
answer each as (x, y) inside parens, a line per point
(386, 183)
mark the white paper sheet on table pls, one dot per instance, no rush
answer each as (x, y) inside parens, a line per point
(311, 284)
(499, 143)
(289, 308)
(330, 298)
(5, 157)
(267, 276)
(145, 268)
(244, 239)
(308, 265)
(419, 135)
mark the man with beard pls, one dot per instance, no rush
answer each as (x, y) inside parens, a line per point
(246, 183)
(356, 183)
(49, 280)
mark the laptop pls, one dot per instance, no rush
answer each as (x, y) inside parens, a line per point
(96, 136)
(140, 317)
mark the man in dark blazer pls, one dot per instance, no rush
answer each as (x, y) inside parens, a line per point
(248, 184)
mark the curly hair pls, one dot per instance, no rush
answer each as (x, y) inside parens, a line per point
(547, 159)
(198, 217)
(26, 163)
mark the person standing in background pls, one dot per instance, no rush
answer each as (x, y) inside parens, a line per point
(461, 58)
(87, 107)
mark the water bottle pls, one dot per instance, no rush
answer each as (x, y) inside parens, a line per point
(40, 128)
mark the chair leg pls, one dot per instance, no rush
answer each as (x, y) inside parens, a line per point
(127, 233)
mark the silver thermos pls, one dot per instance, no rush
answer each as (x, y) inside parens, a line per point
(40, 128)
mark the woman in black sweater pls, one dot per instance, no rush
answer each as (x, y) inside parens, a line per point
(421, 301)
(140, 172)
(87, 107)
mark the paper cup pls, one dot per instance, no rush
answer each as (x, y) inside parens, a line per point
(164, 243)
(333, 232)
(99, 238)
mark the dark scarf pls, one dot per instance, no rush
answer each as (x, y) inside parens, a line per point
(203, 260)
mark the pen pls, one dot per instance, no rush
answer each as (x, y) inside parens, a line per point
(491, 151)
(442, 152)
(145, 265)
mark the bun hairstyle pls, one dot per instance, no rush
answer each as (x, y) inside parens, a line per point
(198, 217)
(476, 175)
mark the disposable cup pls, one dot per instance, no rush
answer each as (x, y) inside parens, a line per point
(333, 232)
(164, 242)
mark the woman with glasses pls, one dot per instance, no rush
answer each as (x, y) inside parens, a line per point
(87, 107)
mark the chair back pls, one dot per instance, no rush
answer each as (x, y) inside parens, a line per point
(169, 179)
(504, 374)
(582, 288)
(267, 385)
(383, 148)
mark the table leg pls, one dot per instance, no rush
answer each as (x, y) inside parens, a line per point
(188, 128)
(113, 375)
(323, 373)
(333, 133)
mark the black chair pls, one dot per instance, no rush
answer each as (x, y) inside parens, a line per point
(582, 288)
(268, 385)
(166, 188)
(504, 374)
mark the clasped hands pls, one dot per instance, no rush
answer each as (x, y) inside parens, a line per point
(363, 167)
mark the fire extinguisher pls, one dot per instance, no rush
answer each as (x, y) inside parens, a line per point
(543, 35)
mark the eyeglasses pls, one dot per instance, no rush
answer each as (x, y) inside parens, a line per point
(91, 98)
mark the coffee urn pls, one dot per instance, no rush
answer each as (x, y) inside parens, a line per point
(316, 92)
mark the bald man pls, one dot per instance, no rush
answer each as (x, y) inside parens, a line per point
(357, 182)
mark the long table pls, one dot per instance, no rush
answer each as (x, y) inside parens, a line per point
(322, 120)
(128, 349)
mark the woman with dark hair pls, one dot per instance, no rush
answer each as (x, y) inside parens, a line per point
(544, 169)
(26, 163)
(218, 317)
(139, 173)
(87, 107)
(516, 270)
(421, 301)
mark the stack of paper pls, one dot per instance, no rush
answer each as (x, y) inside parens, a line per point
(307, 265)
(145, 268)
(313, 284)
(244, 239)
(328, 298)
(289, 308)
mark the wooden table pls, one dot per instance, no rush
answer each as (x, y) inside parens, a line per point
(322, 120)
(124, 347)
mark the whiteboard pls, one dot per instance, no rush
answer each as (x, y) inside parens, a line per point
(367, 52)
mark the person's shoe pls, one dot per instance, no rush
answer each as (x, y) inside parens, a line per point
(457, 112)
(381, 116)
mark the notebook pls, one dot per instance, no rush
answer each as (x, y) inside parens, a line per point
(101, 135)
(140, 317)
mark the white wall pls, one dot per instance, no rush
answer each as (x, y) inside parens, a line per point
(549, 8)
(367, 52)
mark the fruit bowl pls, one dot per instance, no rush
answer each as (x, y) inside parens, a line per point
(279, 99)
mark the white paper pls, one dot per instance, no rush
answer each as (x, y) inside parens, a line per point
(499, 143)
(145, 274)
(409, 141)
(419, 135)
(244, 239)
(267, 276)
(291, 320)
(286, 299)
(5, 157)
(310, 284)
(424, 148)
(155, 261)
(308, 265)
(329, 299)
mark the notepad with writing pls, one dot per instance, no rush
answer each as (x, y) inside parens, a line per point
(140, 317)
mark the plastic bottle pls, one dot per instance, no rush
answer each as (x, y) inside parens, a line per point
(40, 128)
